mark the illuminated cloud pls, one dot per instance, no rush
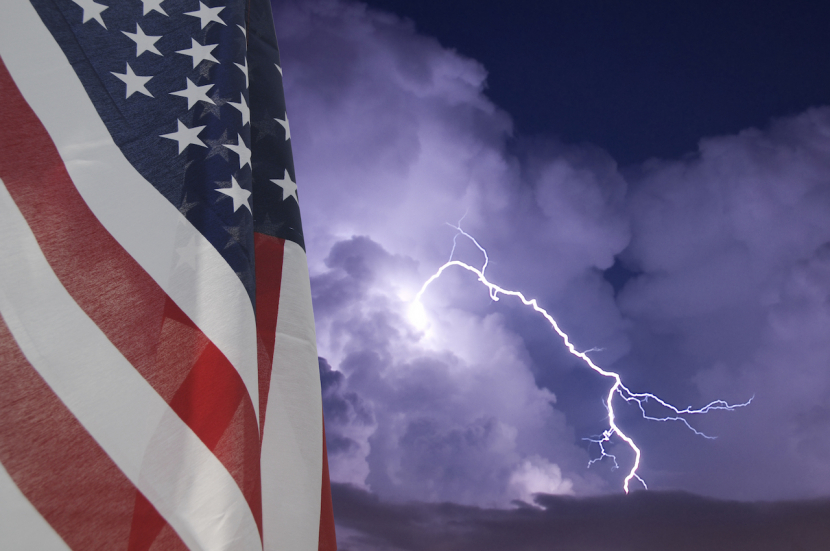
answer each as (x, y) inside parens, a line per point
(734, 246)
(475, 402)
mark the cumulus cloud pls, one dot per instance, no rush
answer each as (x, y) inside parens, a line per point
(475, 401)
(450, 412)
(393, 133)
(536, 475)
(733, 246)
(395, 138)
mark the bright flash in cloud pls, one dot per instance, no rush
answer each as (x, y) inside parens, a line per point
(419, 316)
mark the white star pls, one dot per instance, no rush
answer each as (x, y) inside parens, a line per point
(242, 150)
(278, 68)
(134, 82)
(244, 69)
(194, 93)
(289, 188)
(92, 11)
(153, 5)
(206, 14)
(244, 30)
(284, 124)
(185, 136)
(239, 195)
(143, 43)
(199, 53)
(187, 254)
(243, 108)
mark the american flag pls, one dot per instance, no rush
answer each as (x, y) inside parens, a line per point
(159, 386)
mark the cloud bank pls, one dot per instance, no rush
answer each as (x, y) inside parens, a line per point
(644, 521)
(476, 402)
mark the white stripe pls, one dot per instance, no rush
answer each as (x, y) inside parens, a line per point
(131, 209)
(292, 443)
(151, 445)
(21, 526)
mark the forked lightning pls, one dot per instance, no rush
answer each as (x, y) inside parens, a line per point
(616, 388)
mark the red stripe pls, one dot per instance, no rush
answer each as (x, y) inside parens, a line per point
(57, 464)
(327, 540)
(136, 315)
(269, 256)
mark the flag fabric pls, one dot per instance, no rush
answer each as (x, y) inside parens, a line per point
(159, 386)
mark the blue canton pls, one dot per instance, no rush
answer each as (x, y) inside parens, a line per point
(191, 93)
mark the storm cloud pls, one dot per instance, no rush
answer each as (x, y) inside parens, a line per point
(643, 521)
(697, 278)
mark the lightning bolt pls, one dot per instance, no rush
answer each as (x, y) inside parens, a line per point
(617, 388)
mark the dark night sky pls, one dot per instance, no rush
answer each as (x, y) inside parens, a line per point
(657, 175)
(639, 79)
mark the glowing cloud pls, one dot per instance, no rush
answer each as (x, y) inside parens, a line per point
(616, 388)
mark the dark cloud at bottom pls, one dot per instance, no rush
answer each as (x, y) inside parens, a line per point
(642, 521)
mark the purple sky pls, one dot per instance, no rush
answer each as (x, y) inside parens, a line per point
(479, 404)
